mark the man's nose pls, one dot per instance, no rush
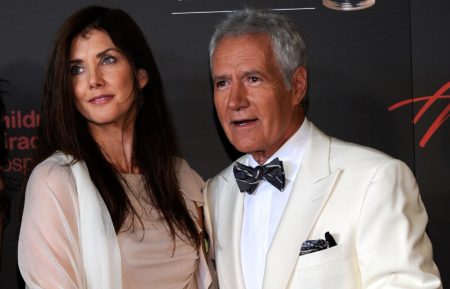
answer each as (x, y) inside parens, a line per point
(238, 98)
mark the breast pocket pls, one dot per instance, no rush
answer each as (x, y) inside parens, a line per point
(334, 268)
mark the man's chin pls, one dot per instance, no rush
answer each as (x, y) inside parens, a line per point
(245, 149)
(248, 149)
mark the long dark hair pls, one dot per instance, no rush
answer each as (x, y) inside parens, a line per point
(155, 147)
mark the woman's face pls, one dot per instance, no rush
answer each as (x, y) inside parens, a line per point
(102, 79)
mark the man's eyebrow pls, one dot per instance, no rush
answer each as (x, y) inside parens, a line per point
(252, 72)
(220, 77)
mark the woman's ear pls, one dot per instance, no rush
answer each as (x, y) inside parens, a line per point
(142, 77)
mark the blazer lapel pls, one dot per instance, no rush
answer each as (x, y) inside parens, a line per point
(311, 189)
(231, 206)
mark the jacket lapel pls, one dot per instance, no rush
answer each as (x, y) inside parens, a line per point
(311, 189)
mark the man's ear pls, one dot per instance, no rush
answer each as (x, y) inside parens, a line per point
(142, 77)
(299, 85)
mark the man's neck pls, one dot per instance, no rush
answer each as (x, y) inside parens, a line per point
(262, 156)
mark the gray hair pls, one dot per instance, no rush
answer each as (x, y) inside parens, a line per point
(288, 43)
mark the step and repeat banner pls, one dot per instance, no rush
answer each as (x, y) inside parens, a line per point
(378, 76)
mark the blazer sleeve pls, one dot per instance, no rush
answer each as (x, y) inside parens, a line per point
(392, 247)
(49, 254)
(208, 204)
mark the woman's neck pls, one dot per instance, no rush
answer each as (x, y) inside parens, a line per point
(116, 143)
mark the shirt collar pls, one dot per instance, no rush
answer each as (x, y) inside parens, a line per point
(291, 152)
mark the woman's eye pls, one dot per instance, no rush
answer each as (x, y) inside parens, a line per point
(108, 59)
(76, 69)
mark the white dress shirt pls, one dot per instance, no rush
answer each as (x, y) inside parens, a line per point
(264, 208)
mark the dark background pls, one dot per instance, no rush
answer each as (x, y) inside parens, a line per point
(360, 63)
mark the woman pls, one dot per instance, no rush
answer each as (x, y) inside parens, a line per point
(109, 205)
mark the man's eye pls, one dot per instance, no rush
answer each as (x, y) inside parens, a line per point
(76, 69)
(221, 83)
(108, 59)
(254, 79)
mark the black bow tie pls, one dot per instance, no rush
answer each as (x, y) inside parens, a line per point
(248, 178)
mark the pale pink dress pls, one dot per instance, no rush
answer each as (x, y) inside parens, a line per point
(149, 259)
(49, 253)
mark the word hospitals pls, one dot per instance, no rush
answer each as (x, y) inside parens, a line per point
(20, 139)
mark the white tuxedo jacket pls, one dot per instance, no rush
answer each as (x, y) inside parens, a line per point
(368, 201)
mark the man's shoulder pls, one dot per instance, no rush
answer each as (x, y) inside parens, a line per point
(226, 175)
(228, 171)
(345, 153)
(348, 154)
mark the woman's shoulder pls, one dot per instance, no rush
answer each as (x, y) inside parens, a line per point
(190, 182)
(55, 168)
(51, 184)
(55, 162)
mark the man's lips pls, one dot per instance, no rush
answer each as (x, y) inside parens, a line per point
(243, 122)
(101, 98)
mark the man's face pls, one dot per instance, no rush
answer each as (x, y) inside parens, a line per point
(257, 111)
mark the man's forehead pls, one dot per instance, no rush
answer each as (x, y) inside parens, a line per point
(243, 52)
(246, 36)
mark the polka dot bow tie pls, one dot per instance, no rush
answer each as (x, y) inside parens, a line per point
(248, 178)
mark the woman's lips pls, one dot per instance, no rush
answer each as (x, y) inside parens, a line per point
(101, 98)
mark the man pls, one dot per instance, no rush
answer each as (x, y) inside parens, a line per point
(340, 216)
